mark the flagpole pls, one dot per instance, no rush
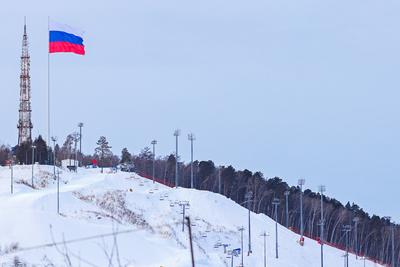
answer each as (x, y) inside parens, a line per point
(48, 82)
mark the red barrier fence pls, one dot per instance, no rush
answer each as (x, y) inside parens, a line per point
(160, 181)
(338, 246)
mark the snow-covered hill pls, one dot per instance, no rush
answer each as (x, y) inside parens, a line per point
(147, 217)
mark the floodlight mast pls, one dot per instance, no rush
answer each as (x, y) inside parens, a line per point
(301, 182)
(287, 193)
(58, 192)
(392, 228)
(249, 197)
(54, 139)
(393, 261)
(154, 142)
(392, 237)
(33, 162)
(80, 125)
(191, 138)
(276, 203)
(322, 189)
(347, 229)
(356, 220)
(177, 133)
(76, 138)
(241, 229)
(12, 175)
(219, 181)
(265, 247)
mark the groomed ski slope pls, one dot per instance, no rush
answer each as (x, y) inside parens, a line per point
(92, 203)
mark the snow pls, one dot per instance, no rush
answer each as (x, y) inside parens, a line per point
(94, 203)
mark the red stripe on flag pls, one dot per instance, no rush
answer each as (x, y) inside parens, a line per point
(60, 47)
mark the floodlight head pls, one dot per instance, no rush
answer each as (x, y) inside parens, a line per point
(33, 146)
(322, 188)
(54, 138)
(275, 201)
(80, 124)
(287, 192)
(301, 182)
(154, 142)
(191, 137)
(356, 219)
(177, 132)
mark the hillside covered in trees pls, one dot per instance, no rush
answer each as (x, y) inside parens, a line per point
(373, 235)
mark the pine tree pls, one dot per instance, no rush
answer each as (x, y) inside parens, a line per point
(103, 151)
(146, 153)
(126, 157)
(66, 149)
(41, 152)
(5, 154)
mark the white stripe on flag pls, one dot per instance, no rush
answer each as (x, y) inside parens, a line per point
(55, 26)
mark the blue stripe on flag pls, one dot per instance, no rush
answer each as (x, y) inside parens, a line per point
(58, 36)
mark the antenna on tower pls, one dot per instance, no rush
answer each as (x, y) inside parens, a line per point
(25, 25)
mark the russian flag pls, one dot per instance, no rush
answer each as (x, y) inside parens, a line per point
(63, 38)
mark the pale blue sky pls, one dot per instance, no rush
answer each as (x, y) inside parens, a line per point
(294, 88)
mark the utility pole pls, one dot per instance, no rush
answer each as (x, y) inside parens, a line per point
(276, 202)
(356, 220)
(241, 229)
(80, 125)
(287, 193)
(176, 134)
(33, 162)
(54, 139)
(265, 248)
(249, 197)
(322, 189)
(301, 182)
(346, 230)
(154, 142)
(184, 205)
(191, 138)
